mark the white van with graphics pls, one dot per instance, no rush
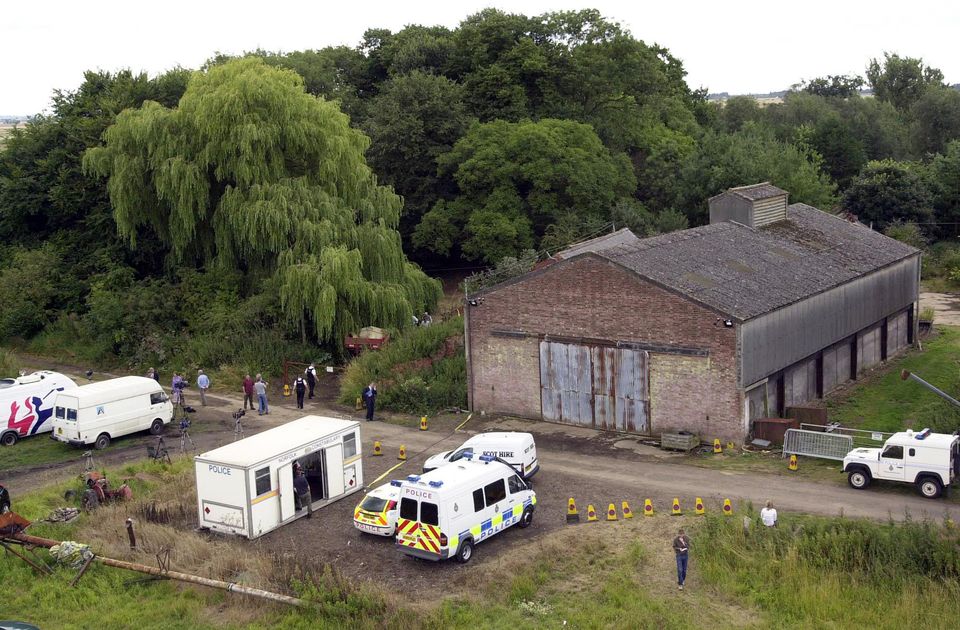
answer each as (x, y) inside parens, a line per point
(99, 412)
(517, 449)
(446, 512)
(26, 404)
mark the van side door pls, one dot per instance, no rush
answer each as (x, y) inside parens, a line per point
(891, 463)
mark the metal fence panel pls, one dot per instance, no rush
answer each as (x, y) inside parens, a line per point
(817, 444)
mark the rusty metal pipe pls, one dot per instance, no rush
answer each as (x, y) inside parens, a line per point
(904, 375)
(231, 587)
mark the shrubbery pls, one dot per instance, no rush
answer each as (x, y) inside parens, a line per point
(422, 370)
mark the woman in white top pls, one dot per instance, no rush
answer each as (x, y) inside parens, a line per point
(769, 515)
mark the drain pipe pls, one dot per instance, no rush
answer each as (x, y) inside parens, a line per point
(231, 587)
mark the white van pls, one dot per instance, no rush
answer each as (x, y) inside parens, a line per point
(517, 449)
(99, 412)
(446, 512)
(26, 403)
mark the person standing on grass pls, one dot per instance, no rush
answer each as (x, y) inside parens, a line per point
(768, 515)
(311, 373)
(370, 399)
(176, 388)
(247, 392)
(152, 373)
(681, 547)
(260, 387)
(300, 386)
(203, 382)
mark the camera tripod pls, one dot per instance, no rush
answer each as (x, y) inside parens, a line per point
(238, 426)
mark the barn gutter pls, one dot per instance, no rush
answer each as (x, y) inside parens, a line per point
(231, 587)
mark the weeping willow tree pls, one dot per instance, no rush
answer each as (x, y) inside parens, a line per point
(249, 172)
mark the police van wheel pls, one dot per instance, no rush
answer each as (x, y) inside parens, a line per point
(103, 441)
(157, 427)
(465, 552)
(930, 487)
(858, 479)
(9, 438)
(526, 518)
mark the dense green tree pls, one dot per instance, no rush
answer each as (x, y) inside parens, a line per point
(31, 285)
(250, 172)
(842, 151)
(936, 120)
(738, 111)
(909, 233)
(945, 188)
(887, 191)
(901, 80)
(515, 179)
(834, 86)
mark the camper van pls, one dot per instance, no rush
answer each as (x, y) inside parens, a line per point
(246, 488)
(517, 449)
(26, 404)
(446, 512)
(103, 411)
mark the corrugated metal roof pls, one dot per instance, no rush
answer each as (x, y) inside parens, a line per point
(754, 192)
(745, 272)
(622, 236)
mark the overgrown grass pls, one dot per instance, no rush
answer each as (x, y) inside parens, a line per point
(884, 402)
(35, 451)
(9, 364)
(422, 370)
(837, 573)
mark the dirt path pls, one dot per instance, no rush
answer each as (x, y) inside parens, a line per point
(946, 307)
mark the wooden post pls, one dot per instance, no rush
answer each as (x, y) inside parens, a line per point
(130, 534)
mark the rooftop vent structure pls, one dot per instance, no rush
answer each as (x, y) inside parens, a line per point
(753, 206)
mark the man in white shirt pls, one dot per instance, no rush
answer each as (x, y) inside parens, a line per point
(769, 515)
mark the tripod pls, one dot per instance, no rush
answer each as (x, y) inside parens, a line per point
(185, 436)
(237, 427)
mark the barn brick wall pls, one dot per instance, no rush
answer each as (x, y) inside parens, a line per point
(593, 298)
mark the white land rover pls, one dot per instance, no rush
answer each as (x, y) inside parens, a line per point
(929, 460)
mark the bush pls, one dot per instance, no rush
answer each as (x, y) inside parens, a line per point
(9, 363)
(423, 369)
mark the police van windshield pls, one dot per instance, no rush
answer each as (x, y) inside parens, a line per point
(373, 504)
(461, 454)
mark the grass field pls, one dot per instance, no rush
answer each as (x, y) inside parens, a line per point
(809, 572)
(884, 402)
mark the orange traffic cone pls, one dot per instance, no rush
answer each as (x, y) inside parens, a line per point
(573, 516)
(647, 507)
(403, 453)
(627, 512)
(699, 507)
(591, 514)
(717, 449)
(376, 449)
(423, 423)
(793, 462)
(612, 512)
(727, 508)
(676, 507)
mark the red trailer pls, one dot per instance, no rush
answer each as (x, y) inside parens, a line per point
(369, 338)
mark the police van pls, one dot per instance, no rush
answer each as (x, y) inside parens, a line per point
(517, 449)
(447, 512)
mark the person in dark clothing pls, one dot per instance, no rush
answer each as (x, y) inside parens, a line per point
(248, 392)
(300, 387)
(681, 547)
(311, 373)
(302, 488)
(370, 399)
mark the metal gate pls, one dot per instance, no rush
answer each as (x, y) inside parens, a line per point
(817, 444)
(596, 386)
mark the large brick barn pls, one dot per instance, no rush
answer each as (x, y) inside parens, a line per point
(769, 306)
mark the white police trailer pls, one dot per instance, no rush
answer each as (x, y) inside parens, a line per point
(246, 487)
(929, 460)
(446, 512)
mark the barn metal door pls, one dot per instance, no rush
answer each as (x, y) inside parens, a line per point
(600, 386)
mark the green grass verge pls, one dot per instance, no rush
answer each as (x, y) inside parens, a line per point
(884, 402)
(35, 451)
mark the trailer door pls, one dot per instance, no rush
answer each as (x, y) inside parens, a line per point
(334, 469)
(287, 504)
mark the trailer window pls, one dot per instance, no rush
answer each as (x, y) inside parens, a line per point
(71, 414)
(495, 492)
(428, 513)
(262, 478)
(516, 484)
(408, 509)
(61, 413)
(349, 445)
(893, 452)
(477, 499)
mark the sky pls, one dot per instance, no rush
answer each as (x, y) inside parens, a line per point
(733, 46)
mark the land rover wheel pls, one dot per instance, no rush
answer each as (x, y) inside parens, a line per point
(465, 552)
(103, 441)
(858, 479)
(157, 427)
(526, 518)
(9, 438)
(930, 487)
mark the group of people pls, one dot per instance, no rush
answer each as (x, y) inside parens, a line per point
(256, 387)
(304, 383)
(681, 544)
(179, 383)
(423, 320)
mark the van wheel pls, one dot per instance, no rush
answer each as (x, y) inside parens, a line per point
(103, 441)
(526, 519)
(9, 438)
(930, 487)
(858, 479)
(157, 427)
(465, 552)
